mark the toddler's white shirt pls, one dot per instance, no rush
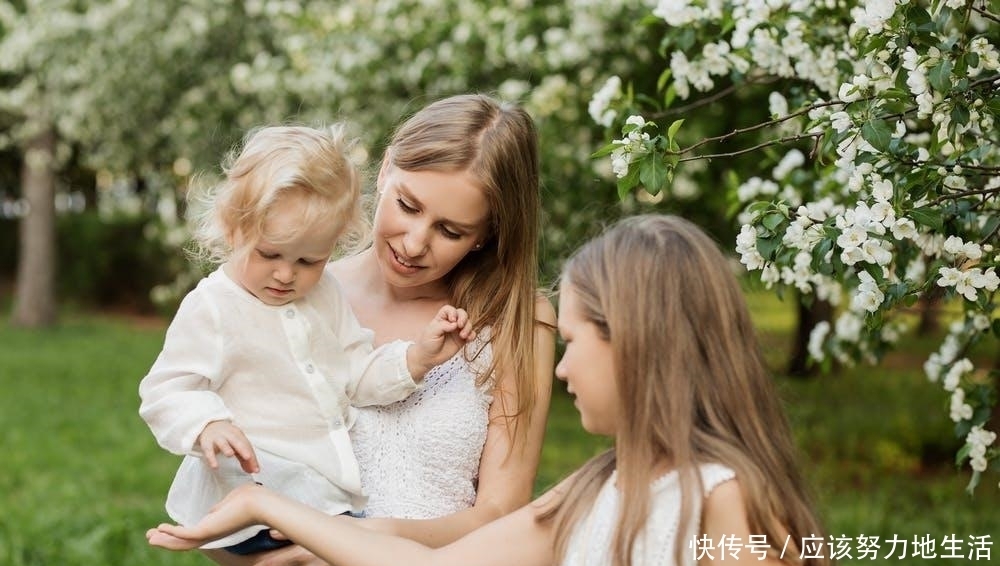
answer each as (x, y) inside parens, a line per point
(287, 376)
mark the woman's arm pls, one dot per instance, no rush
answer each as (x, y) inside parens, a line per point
(509, 462)
(339, 540)
(505, 483)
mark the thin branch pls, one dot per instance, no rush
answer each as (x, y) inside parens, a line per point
(985, 14)
(780, 141)
(698, 103)
(988, 79)
(978, 169)
(762, 125)
(713, 98)
(969, 193)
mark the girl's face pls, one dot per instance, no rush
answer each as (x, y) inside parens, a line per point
(278, 273)
(426, 222)
(587, 367)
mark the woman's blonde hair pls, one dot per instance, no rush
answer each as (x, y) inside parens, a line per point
(497, 143)
(692, 385)
(274, 163)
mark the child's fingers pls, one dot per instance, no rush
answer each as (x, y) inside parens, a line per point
(248, 459)
(446, 313)
(208, 450)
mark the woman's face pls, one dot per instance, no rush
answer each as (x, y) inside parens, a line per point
(587, 367)
(426, 222)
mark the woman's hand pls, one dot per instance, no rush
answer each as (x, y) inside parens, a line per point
(236, 511)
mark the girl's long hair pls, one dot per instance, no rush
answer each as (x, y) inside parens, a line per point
(497, 143)
(692, 386)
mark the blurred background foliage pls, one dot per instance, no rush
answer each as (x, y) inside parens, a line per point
(142, 98)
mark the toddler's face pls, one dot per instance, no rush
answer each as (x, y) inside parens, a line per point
(280, 270)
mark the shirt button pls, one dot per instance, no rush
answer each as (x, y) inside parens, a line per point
(290, 313)
(337, 423)
(310, 368)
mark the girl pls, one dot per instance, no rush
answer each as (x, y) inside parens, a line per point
(456, 222)
(671, 369)
(264, 358)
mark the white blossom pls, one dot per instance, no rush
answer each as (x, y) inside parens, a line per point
(817, 336)
(598, 107)
(959, 409)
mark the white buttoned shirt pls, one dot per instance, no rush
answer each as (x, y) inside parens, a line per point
(288, 376)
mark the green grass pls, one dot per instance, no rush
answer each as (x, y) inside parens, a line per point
(82, 477)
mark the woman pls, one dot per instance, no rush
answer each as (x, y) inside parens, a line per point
(456, 222)
(672, 370)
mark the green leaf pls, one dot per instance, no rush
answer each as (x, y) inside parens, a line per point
(897, 291)
(973, 482)
(917, 15)
(926, 216)
(876, 273)
(653, 174)
(963, 454)
(940, 76)
(877, 133)
(664, 77)
(772, 221)
(959, 115)
(606, 150)
(767, 246)
(819, 254)
(672, 130)
(628, 182)
(669, 96)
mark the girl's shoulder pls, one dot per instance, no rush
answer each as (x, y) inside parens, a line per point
(545, 312)
(713, 474)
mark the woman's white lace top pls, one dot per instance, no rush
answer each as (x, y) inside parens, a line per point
(590, 543)
(419, 457)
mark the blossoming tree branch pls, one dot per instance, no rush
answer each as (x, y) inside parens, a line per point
(877, 181)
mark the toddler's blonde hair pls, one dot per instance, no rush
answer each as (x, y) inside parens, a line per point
(273, 163)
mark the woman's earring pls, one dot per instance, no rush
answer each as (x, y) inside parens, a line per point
(477, 246)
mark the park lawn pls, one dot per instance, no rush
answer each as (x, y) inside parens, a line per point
(83, 478)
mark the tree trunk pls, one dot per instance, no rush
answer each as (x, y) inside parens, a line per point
(929, 307)
(808, 316)
(34, 296)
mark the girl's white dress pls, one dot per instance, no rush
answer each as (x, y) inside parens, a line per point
(590, 543)
(419, 458)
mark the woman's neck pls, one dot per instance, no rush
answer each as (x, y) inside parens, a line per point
(371, 276)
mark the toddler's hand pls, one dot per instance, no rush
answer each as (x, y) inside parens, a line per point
(441, 339)
(226, 438)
